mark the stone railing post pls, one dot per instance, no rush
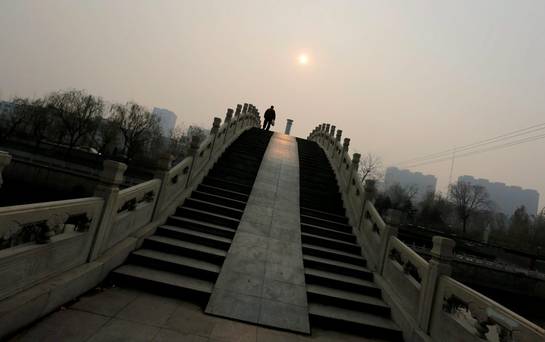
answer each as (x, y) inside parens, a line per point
(5, 159)
(107, 188)
(245, 108)
(353, 170)
(346, 145)
(393, 220)
(339, 135)
(228, 119)
(214, 131)
(370, 190)
(193, 148)
(439, 265)
(162, 171)
(289, 123)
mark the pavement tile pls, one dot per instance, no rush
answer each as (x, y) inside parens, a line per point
(272, 335)
(149, 309)
(189, 321)
(283, 315)
(107, 303)
(65, 325)
(284, 292)
(122, 330)
(231, 331)
(234, 305)
(167, 335)
(285, 272)
(240, 282)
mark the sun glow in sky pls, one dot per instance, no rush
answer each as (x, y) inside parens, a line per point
(303, 59)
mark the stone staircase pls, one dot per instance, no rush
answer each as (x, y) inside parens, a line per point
(184, 256)
(340, 289)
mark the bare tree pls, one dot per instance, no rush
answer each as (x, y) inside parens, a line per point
(137, 125)
(468, 199)
(78, 114)
(371, 167)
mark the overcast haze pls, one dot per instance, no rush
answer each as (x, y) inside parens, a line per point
(401, 78)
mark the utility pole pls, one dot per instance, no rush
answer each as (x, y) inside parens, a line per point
(452, 166)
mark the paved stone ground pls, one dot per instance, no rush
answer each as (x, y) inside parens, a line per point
(117, 314)
(262, 279)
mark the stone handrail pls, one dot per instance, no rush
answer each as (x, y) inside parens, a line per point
(463, 314)
(413, 287)
(40, 240)
(67, 247)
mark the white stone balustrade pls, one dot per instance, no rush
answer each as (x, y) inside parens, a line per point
(72, 245)
(426, 302)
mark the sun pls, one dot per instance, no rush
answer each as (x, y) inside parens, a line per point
(303, 59)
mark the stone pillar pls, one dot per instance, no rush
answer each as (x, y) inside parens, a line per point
(327, 128)
(215, 126)
(346, 145)
(289, 123)
(439, 265)
(370, 190)
(228, 115)
(339, 135)
(239, 109)
(162, 172)
(193, 148)
(5, 159)
(332, 132)
(245, 108)
(108, 188)
(353, 171)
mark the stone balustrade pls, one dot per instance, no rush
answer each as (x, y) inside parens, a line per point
(52, 252)
(426, 302)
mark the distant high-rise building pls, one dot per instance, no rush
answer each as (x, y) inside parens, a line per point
(167, 120)
(507, 198)
(421, 182)
(6, 107)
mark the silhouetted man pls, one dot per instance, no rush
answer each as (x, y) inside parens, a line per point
(269, 117)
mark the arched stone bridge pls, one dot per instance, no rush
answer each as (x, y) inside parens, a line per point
(254, 227)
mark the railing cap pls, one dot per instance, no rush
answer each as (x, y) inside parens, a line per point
(112, 172)
(443, 248)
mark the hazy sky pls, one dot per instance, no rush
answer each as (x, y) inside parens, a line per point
(401, 78)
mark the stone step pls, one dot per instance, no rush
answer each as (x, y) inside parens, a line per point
(217, 199)
(328, 232)
(347, 299)
(234, 195)
(341, 281)
(213, 207)
(223, 184)
(326, 223)
(205, 216)
(337, 267)
(318, 240)
(180, 247)
(362, 323)
(336, 217)
(194, 236)
(204, 227)
(164, 283)
(334, 254)
(175, 263)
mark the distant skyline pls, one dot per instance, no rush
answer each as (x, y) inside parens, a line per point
(401, 79)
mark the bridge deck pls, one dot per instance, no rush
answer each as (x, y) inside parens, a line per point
(262, 279)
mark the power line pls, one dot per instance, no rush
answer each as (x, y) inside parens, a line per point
(496, 139)
(492, 148)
